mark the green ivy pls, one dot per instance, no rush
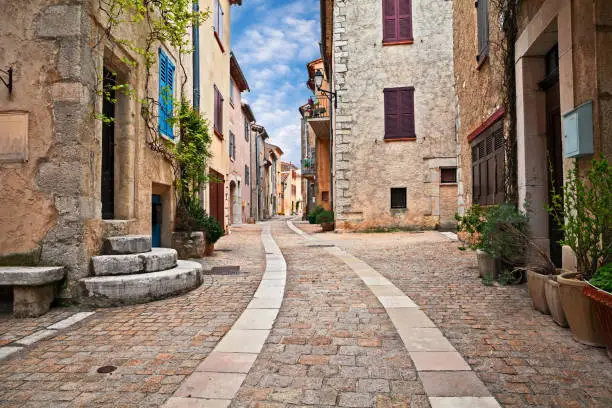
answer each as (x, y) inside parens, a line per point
(603, 278)
(472, 223)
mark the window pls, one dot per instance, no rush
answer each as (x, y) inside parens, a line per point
(246, 130)
(488, 158)
(399, 113)
(218, 119)
(397, 21)
(232, 146)
(325, 196)
(398, 199)
(166, 94)
(219, 20)
(482, 10)
(448, 175)
(247, 175)
(232, 92)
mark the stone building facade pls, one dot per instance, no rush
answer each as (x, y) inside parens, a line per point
(67, 180)
(385, 174)
(239, 148)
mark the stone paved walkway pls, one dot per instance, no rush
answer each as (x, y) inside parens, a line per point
(154, 346)
(332, 343)
(520, 354)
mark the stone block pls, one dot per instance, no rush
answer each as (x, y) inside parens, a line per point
(189, 245)
(128, 244)
(67, 92)
(453, 384)
(439, 361)
(59, 21)
(228, 362)
(211, 385)
(30, 276)
(32, 301)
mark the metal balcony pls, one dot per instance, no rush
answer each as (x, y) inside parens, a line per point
(317, 114)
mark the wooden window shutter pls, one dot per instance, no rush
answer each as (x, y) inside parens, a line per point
(404, 20)
(482, 10)
(166, 93)
(406, 113)
(390, 22)
(391, 114)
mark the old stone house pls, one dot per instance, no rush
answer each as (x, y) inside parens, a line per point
(239, 147)
(560, 63)
(395, 150)
(315, 139)
(272, 179)
(69, 179)
(291, 181)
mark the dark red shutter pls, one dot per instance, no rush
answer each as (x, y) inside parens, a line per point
(406, 112)
(390, 20)
(391, 113)
(404, 20)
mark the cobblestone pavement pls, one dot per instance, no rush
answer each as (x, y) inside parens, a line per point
(522, 356)
(154, 346)
(332, 344)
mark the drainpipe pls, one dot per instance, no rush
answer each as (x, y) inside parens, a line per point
(196, 58)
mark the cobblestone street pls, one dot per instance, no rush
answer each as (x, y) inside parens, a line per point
(332, 344)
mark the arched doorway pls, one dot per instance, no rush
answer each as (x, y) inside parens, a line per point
(235, 203)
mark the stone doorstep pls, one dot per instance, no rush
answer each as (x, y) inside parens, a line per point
(158, 259)
(127, 244)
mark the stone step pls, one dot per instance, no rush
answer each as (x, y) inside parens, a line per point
(30, 275)
(127, 244)
(158, 259)
(108, 291)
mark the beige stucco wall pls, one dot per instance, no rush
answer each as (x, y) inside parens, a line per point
(366, 167)
(243, 158)
(51, 203)
(214, 70)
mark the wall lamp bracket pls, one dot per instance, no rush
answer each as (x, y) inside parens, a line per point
(8, 82)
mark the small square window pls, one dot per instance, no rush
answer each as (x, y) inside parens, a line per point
(398, 198)
(448, 175)
(325, 196)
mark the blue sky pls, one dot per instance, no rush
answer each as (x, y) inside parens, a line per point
(273, 41)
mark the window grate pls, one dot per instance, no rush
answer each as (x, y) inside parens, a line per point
(398, 198)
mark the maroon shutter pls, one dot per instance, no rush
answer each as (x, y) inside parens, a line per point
(404, 20)
(391, 113)
(406, 112)
(390, 20)
(216, 108)
(220, 113)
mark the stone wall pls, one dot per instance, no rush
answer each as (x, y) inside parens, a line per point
(367, 167)
(478, 88)
(51, 201)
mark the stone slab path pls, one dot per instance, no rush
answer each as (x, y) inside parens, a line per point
(521, 355)
(219, 377)
(153, 347)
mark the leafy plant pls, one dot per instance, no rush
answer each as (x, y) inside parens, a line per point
(584, 210)
(312, 215)
(193, 217)
(499, 234)
(325, 217)
(603, 278)
(472, 224)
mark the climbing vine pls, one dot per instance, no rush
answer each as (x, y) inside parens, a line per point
(508, 11)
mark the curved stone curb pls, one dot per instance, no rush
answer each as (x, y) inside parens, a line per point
(218, 378)
(447, 379)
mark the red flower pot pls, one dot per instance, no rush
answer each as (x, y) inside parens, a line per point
(602, 303)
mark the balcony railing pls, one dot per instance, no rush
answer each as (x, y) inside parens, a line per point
(317, 107)
(309, 164)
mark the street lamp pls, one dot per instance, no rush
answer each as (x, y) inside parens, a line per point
(318, 80)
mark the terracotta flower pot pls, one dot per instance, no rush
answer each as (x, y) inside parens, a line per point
(210, 249)
(602, 303)
(553, 300)
(536, 284)
(579, 310)
(327, 226)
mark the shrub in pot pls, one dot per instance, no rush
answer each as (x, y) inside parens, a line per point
(469, 231)
(584, 210)
(499, 240)
(599, 291)
(326, 220)
(312, 215)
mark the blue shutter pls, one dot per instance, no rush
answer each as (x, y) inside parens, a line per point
(166, 92)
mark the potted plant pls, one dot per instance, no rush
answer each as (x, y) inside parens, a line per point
(213, 231)
(499, 232)
(312, 215)
(326, 220)
(469, 231)
(599, 291)
(584, 209)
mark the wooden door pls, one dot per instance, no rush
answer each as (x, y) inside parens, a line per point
(217, 197)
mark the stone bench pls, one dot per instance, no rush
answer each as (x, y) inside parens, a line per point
(33, 287)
